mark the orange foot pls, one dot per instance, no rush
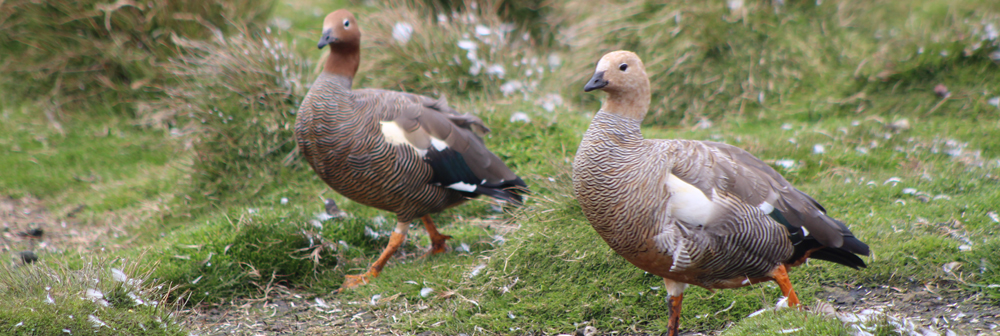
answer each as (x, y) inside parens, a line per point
(351, 281)
(438, 244)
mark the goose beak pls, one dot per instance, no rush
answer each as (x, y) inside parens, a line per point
(596, 82)
(327, 38)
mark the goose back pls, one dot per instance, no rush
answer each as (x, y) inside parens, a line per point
(396, 151)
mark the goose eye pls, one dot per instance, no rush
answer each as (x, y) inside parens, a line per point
(623, 67)
(347, 23)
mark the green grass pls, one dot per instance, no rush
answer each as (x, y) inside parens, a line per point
(52, 297)
(199, 196)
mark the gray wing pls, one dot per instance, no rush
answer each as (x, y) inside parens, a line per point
(721, 169)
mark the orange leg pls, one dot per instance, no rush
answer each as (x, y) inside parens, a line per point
(676, 291)
(438, 240)
(780, 275)
(675, 315)
(395, 241)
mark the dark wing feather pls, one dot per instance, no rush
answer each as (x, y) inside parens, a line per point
(465, 159)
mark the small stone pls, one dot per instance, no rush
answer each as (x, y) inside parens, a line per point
(332, 209)
(28, 257)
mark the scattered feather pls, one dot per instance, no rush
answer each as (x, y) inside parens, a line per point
(48, 299)
(993, 215)
(787, 164)
(401, 32)
(322, 303)
(786, 126)
(554, 61)
(316, 224)
(550, 101)
(788, 331)
(463, 248)
(495, 70)
(482, 30)
(520, 116)
(96, 322)
(819, 149)
(894, 180)
(510, 87)
(950, 267)
(995, 101)
(511, 315)
(964, 248)
(136, 299)
(426, 291)
(782, 303)
(909, 191)
(96, 296)
(284, 200)
(467, 45)
(735, 4)
(476, 270)
(411, 282)
(376, 297)
(900, 125)
(118, 275)
(323, 216)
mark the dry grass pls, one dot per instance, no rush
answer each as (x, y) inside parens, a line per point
(82, 51)
(236, 97)
(445, 54)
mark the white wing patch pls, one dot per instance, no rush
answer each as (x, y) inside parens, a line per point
(396, 136)
(438, 144)
(766, 207)
(687, 203)
(462, 186)
(805, 232)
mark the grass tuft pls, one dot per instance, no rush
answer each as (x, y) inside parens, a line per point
(89, 51)
(237, 99)
(106, 296)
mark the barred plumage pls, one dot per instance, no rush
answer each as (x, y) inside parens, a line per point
(693, 212)
(396, 151)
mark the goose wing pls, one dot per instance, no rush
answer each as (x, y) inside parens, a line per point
(443, 139)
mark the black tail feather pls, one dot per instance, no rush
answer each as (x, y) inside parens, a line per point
(844, 255)
(840, 256)
(509, 191)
